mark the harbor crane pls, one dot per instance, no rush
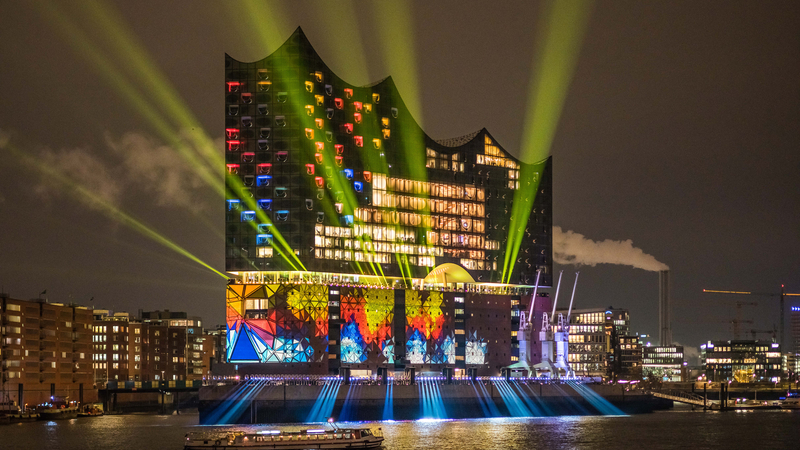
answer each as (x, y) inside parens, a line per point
(782, 294)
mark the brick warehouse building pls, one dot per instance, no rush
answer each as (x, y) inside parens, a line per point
(46, 351)
(358, 241)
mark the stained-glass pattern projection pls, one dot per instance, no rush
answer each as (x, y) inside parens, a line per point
(476, 349)
(367, 332)
(429, 328)
(276, 323)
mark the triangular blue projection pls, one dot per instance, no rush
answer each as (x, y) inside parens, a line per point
(243, 351)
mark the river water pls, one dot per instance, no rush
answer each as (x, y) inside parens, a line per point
(679, 428)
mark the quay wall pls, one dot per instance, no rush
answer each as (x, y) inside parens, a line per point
(294, 403)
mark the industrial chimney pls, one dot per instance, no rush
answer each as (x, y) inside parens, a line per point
(664, 306)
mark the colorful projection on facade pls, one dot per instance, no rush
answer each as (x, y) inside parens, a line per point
(367, 332)
(276, 323)
(429, 328)
(289, 324)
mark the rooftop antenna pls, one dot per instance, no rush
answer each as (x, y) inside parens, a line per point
(555, 301)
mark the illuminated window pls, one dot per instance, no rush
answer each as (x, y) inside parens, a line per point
(263, 74)
(348, 173)
(318, 158)
(357, 117)
(309, 86)
(339, 103)
(348, 128)
(318, 77)
(263, 86)
(248, 216)
(338, 207)
(247, 98)
(233, 146)
(310, 133)
(339, 160)
(394, 113)
(319, 123)
(309, 169)
(282, 97)
(376, 143)
(310, 110)
(367, 176)
(232, 133)
(282, 216)
(234, 86)
(339, 149)
(367, 108)
(233, 205)
(233, 168)
(282, 156)
(376, 98)
(348, 93)
(320, 146)
(359, 141)
(358, 186)
(329, 136)
(263, 180)
(329, 89)
(281, 192)
(265, 204)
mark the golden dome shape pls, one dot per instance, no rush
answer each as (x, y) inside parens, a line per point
(448, 273)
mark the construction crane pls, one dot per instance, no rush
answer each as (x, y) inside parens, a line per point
(782, 294)
(772, 332)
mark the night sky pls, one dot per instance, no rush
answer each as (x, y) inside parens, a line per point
(680, 132)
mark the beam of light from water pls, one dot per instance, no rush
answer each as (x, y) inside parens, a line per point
(577, 407)
(422, 395)
(560, 33)
(313, 415)
(481, 400)
(494, 411)
(388, 404)
(240, 404)
(107, 208)
(439, 408)
(546, 411)
(350, 403)
(513, 403)
(602, 405)
(532, 407)
(213, 417)
(327, 407)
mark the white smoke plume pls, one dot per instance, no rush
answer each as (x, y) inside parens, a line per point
(570, 247)
(134, 163)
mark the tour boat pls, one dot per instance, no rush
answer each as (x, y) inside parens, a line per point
(792, 401)
(339, 438)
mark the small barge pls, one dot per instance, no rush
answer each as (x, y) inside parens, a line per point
(340, 438)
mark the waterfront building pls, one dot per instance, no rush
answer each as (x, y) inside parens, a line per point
(117, 344)
(46, 352)
(744, 361)
(665, 363)
(594, 334)
(158, 345)
(356, 240)
(627, 358)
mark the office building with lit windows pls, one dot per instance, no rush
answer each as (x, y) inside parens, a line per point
(356, 240)
(594, 335)
(744, 361)
(794, 321)
(665, 363)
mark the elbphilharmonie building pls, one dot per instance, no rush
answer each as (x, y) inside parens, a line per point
(358, 241)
